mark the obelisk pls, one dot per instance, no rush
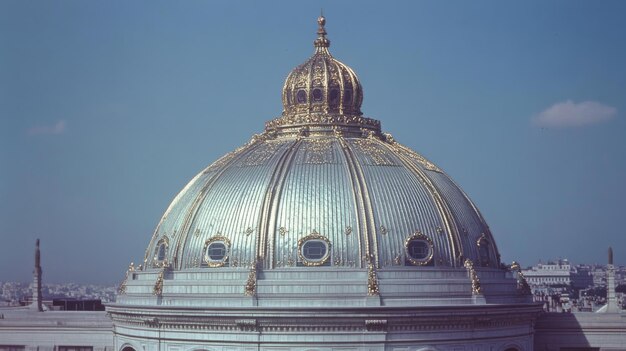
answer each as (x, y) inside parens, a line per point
(37, 300)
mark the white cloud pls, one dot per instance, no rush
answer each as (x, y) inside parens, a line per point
(57, 128)
(570, 114)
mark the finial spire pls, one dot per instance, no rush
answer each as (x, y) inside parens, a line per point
(321, 41)
(610, 255)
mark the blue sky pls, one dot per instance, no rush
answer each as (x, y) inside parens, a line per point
(108, 108)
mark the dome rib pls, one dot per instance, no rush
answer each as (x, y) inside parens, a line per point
(342, 86)
(369, 230)
(267, 220)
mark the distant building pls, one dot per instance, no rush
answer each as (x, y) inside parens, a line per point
(546, 277)
(549, 274)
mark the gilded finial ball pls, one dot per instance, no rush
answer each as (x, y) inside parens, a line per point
(321, 20)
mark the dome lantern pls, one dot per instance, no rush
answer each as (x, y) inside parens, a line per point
(322, 91)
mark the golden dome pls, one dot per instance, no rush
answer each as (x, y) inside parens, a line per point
(322, 84)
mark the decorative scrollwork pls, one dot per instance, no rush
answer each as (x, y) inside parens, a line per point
(372, 280)
(317, 151)
(157, 290)
(476, 288)
(376, 155)
(260, 154)
(122, 289)
(412, 154)
(250, 288)
(323, 119)
(522, 284)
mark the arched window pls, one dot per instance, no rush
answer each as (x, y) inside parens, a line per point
(160, 252)
(317, 95)
(333, 98)
(301, 96)
(347, 97)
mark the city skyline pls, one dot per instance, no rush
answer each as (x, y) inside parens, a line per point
(108, 109)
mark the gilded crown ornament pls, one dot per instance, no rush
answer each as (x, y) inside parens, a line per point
(322, 92)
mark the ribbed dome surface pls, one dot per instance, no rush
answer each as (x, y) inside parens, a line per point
(366, 194)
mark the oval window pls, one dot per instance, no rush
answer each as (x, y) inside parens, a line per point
(216, 250)
(314, 250)
(317, 94)
(301, 96)
(419, 249)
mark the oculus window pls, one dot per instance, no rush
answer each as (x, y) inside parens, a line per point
(419, 249)
(216, 250)
(314, 250)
